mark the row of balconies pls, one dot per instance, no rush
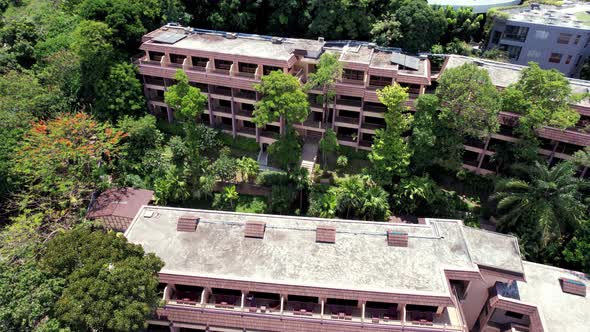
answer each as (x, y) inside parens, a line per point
(295, 306)
(253, 71)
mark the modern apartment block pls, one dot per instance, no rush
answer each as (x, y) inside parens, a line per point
(553, 36)
(227, 271)
(226, 65)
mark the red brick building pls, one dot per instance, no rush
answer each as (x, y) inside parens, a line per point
(228, 271)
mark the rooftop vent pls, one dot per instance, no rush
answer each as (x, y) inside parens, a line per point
(572, 286)
(321, 39)
(371, 45)
(276, 40)
(255, 229)
(231, 35)
(535, 5)
(187, 224)
(325, 234)
(397, 239)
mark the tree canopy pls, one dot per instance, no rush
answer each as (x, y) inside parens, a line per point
(282, 98)
(187, 101)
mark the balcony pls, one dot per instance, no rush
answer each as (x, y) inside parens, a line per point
(199, 67)
(154, 81)
(245, 113)
(372, 126)
(221, 91)
(347, 310)
(221, 109)
(352, 81)
(349, 102)
(269, 134)
(379, 312)
(374, 108)
(187, 295)
(225, 299)
(346, 119)
(251, 95)
(247, 131)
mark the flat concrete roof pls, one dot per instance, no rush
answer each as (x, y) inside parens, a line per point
(559, 311)
(479, 6)
(259, 46)
(572, 14)
(288, 254)
(503, 74)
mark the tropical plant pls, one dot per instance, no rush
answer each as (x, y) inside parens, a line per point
(328, 144)
(549, 201)
(226, 199)
(390, 153)
(120, 93)
(286, 151)
(411, 193)
(358, 196)
(248, 168)
(328, 71)
(342, 162)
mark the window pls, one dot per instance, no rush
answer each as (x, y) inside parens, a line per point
(540, 34)
(380, 81)
(577, 40)
(514, 315)
(177, 58)
(199, 61)
(555, 58)
(564, 38)
(516, 33)
(568, 60)
(247, 67)
(223, 64)
(155, 56)
(513, 51)
(353, 74)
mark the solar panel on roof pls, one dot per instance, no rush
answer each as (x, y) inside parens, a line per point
(169, 37)
(406, 61)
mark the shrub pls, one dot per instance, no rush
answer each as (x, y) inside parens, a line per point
(272, 178)
(249, 204)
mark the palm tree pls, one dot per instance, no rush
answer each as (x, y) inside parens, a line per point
(359, 196)
(551, 199)
(230, 195)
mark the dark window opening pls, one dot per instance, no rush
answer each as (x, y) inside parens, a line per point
(222, 64)
(155, 56)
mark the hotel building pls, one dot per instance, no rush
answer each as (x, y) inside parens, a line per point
(231, 272)
(225, 66)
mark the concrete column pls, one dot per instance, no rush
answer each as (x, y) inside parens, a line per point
(282, 126)
(170, 114)
(584, 172)
(210, 107)
(242, 301)
(363, 313)
(257, 99)
(440, 310)
(401, 308)
(282, 303)
(553, 152)
(322, 309)
(233, 114)
(360, 134)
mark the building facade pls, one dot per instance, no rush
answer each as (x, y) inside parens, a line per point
(225, 66)
(554, 37)
(231, 272)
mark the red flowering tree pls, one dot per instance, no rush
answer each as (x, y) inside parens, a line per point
(60, 162)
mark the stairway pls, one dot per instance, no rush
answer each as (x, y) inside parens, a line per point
(309, 154)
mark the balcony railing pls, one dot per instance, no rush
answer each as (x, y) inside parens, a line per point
(372, 126)
(244, 113)
(222, 109)
(199, 68)
(269, 134)
(245, 95)
(245, 74)
(348, 102)
(346, 119)
(223, 92)
(352, 81)
(220, 71)
(375, 108)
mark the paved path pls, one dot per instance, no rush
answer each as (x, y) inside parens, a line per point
(309, 155)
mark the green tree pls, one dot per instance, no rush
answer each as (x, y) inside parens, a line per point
(322, 204)
(421, 25)
(548, 203)
(469, 101)
(27, 295)
(423, 140)
(462, 24)
(225, 167)
(234, 15)
(187, 101)
(120, 93)
(248, 168)
(18, 36)
(286, 151)
(328, 144)
(413, 193)
(390, 153)
(110, 284)
(328, 71)
(340, 19)
(21, 92)
(387, 30)
(142, 138)
(577, 251)
(91, 43)
(543, 98)
(282, 99)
